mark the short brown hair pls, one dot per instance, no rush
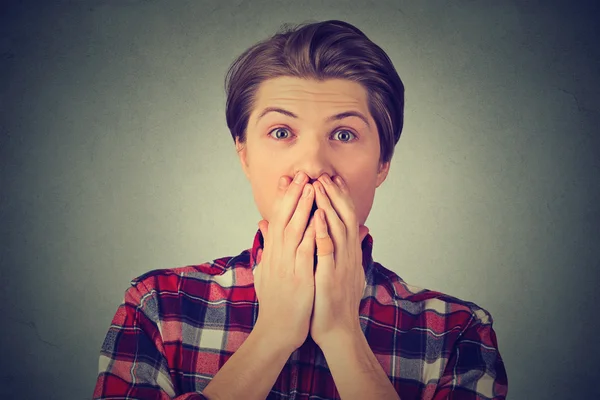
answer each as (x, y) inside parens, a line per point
(321, 50)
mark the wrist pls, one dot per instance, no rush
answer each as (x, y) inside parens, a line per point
(275, 341)
(342, 337)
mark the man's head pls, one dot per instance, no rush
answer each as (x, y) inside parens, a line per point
(312, 74)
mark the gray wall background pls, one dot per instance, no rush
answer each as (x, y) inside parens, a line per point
(116, 160)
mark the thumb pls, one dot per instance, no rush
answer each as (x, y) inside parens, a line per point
(362, 232)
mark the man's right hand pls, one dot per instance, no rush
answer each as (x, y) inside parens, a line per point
(284, 278)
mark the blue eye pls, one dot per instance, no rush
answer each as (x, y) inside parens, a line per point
(278, 130)
(347, 133)
(346, 136)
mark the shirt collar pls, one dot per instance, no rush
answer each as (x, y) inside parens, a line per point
(367, 250)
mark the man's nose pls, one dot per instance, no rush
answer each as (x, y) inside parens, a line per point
(314, 161)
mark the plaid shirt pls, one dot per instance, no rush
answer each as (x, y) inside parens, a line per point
(177, 327)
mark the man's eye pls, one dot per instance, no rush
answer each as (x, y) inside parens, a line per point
(277, 132)
(342, 135)
(346, 134)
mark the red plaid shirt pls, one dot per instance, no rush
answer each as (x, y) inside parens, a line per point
(177, 327)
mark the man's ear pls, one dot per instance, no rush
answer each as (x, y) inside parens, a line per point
(241, 150)
(384, 168)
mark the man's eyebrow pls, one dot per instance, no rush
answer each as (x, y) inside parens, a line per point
(335, 117)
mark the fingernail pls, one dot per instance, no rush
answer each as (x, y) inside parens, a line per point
(327, 179)
(306, 191)
(299, 177)
(321, 188)
(282, 182)
(339, 181)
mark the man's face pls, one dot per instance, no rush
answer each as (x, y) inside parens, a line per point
(279, 144)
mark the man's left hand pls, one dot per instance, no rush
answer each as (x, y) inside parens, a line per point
(339, 276)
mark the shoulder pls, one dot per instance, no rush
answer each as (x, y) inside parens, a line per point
(418, 301)
(209, 279)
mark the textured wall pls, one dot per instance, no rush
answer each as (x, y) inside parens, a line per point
(116, 159)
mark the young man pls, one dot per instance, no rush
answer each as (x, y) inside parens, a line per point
(315, 114)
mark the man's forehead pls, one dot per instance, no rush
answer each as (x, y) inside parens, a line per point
(334, 91)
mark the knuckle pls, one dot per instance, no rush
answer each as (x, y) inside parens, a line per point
(353, 222)
(290, 231)
(298, 188)
(284, 183)
(304, 250)
(308, 232)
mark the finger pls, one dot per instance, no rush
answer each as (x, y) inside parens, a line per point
(342, 203)
(288, 194)
(298, 224)
(325, 245)
(305, 252)
(286, 203)
(336, 227)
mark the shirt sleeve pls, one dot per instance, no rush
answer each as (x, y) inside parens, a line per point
(475, 369)
(132, 361)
